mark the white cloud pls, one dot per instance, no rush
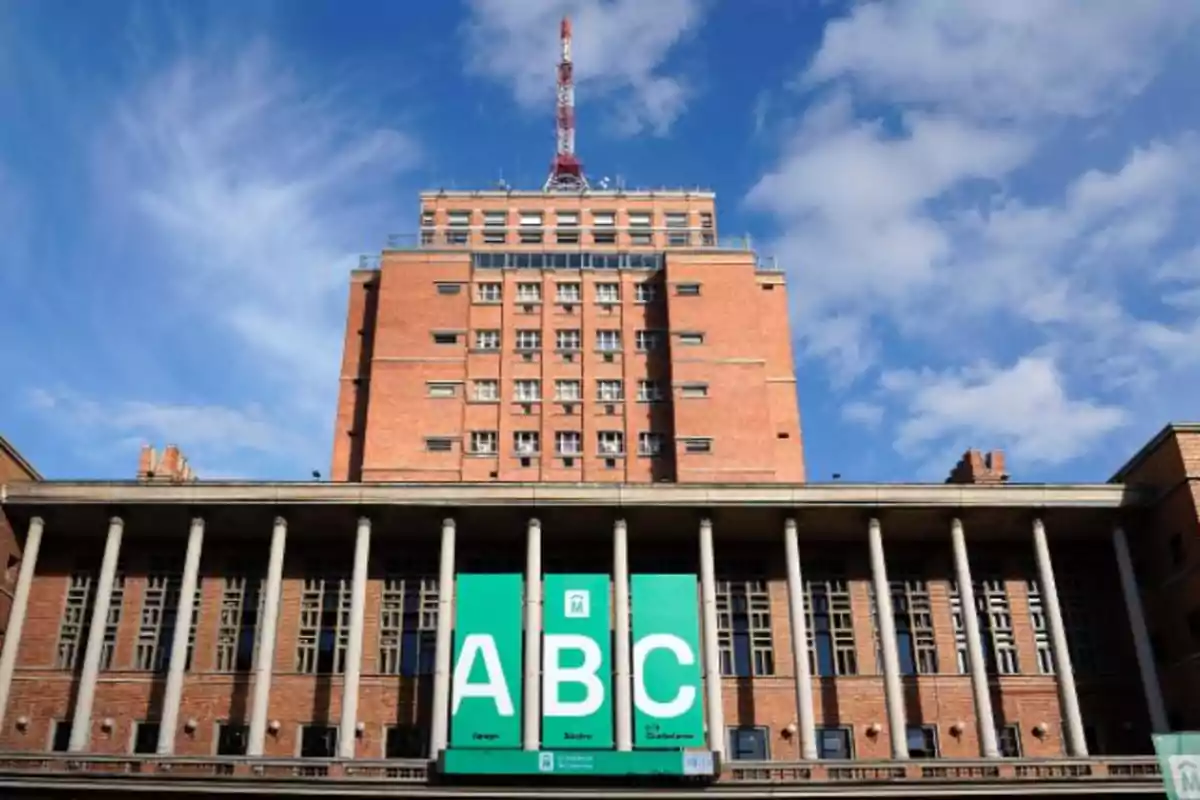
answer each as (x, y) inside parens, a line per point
(620, 47)
(868, 415)
(1024, 408)
(1001, 60)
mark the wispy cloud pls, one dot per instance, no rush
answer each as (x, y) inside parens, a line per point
(620, 47)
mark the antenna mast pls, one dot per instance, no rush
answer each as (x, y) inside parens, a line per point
(566, 173)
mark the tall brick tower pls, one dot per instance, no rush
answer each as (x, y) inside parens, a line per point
(569, 334)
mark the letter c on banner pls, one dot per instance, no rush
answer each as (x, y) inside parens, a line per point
(686, 695)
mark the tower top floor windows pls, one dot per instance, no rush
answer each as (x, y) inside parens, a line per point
(645, 261)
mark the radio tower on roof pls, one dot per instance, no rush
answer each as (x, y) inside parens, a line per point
(566, 173)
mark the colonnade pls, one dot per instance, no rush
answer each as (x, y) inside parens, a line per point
(1076, 745)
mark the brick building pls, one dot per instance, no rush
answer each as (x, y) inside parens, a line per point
(13, 469)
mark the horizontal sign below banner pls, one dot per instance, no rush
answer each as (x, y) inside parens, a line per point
(578, 762)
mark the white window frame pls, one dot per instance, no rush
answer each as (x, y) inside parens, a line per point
(441, 390)
(487, 340)
(527, 443)
(567, 219)
(495, 219)
(641, 219)
(484, 442)
(649, 391)
(650, 443)
(568, 443)
(704, 443)
(532, 219)
(610, 444)
(693, 391)
(568, 293)
(568, 339)
(458, 219)
(604, 219)
(487, 390)
(495, 237)
(527, 390)
(575, 395)
(529, 293)
(608, 340)
(645, 292)
(529, 339)
(608, 292)
(675, 219)
(691, 338)
(609, 390)
(490, 292)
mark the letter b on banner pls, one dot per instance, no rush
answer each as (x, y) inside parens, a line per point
(576, 663)
(668, 711)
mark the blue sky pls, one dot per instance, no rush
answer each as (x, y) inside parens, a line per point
(987, 211)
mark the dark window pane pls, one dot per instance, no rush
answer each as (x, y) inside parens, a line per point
(231, 739)
(62, 736)
(833, 743)
(318, 741)
(824, 645)
(404, 741)
(145, 738)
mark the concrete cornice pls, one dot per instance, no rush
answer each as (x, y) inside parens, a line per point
(551, 494)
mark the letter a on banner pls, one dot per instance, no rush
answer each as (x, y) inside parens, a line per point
(668, 712)
(576, 663)
(485, 687)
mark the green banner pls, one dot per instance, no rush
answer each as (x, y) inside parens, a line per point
(576, 762)
(668, 711)
(1179, 762)
(577, 708)
(485, 693)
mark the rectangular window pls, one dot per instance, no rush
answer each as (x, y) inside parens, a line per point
(567, 443)
(324, 630)
(696, 444)
(529, 293)
(649, 392)
(706, 219)
(483, 442)
(1084, 626)
(645, 341)
(995, 627)
(495, 237)
(604, 219)
(830, 624)
(611, 443)
(145, 737)
(748, 744)
(604, 237)
(458, 219)
(645, 292)
(834, 744)
(445, 338)
(488, 292)
(567, 219)
(687, 289)
(60, 738)
(318, 741)
(531, 237)
(75, 618)
(440, 390)
(487, 390)
(567, 340)
(608, 292)
(567, 293)
(232, 738)
(487, 340)
(569, 390)
(679, 238)
(527, 390)
(566, 237)
(456, 237)
(650, 443)
(641, 239)
(608, 391)
(691, 338)
(744, 628)
(639, 219)
(113, 623)
(526, 443)
(156, 627)
(693, 390)
(448, 288)
(1008, 737)
(676, 219)
(495, 219)
(529, 340)
(531, 219)
(408, 613)
(922, 741)
(427, 220)
(439, 444)
(608, 340)
(913, 619)
(405, 741)
(237, 634)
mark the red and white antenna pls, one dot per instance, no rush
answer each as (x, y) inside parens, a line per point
(566, 173)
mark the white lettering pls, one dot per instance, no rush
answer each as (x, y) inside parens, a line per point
(496, 688)
(686, 696)
(554, 675)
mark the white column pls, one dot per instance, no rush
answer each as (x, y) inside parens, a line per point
(16, 615)
(985, 722)
(265, 657)
(533, 636)
(179, 641)
(81, 725)
(805, 715)
(893, 692)
(621, 657)
(439, 736)
(1073, 722)
(1141, 636)
(347, 734)
(712, 655)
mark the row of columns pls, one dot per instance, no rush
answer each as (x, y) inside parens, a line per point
(714, 713)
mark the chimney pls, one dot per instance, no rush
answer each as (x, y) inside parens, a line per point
(977, 467)
(170, 467)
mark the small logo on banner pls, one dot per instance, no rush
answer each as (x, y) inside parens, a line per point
(578, 604)
(1185, 774)
(545, 762)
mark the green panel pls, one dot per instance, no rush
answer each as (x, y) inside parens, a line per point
(668, 710)
(577, 709)
(485, 693)
(1179, 761)
(577, 762)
